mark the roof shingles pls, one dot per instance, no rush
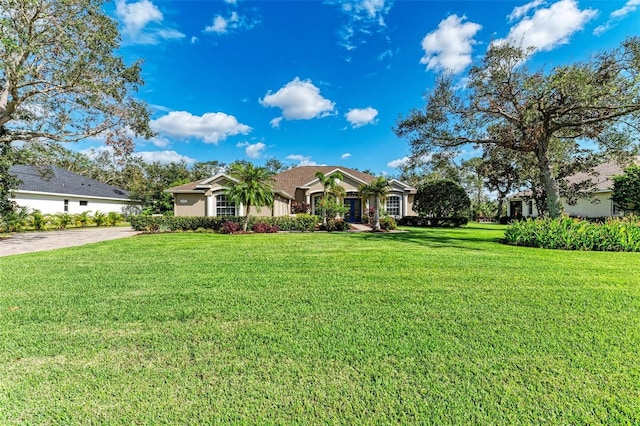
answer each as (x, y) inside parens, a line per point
(54, 180)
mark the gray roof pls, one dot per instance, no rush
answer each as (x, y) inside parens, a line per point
(52, 179)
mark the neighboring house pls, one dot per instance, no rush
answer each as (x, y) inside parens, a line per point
(53, 190)
(599, 205)
(299, 184)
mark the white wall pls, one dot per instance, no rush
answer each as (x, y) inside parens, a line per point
(53, 203)
(583, 207)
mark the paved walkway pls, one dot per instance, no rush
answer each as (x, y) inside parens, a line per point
(27, 242)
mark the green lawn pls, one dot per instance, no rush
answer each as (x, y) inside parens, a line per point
(430, 326)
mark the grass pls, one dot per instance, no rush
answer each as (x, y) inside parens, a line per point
(431, 326)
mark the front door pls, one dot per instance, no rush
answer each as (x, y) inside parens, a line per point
(515, 209)
(355, 210)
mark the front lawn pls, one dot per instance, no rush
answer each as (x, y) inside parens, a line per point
(430, 326)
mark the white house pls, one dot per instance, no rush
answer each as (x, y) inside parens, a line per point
(600, 204)
(54, 190)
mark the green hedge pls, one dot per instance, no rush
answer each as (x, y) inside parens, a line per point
(301, 222)
(575, 234)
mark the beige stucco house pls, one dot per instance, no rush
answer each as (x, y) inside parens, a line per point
(599, 205)
(299, 184)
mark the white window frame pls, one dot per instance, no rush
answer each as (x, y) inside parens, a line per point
(395, 210)
(224, 206)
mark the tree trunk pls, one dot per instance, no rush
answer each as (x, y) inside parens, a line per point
(500, 204)
(548, 182)
(376, 215)
(246, 218)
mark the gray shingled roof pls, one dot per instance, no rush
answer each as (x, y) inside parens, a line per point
(52, 179)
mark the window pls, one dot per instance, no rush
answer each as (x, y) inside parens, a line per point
(66, 206)
(530, 207)
(84, 203)
(393, 205)
(224, 207)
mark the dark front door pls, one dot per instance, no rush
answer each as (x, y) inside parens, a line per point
(355, 211)
(515, 209)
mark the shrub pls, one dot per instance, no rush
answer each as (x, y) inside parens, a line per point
(574, 234)
(82, 219)
(229, 227)
(262, 228)
(99, 218)
(15, 220)
(38, 220)
(337, 225)
(388, 223)
(298, 207)
(301, 222)
(113, 218)
(441, 198)
(62, 220)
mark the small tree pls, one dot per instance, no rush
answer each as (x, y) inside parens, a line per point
(626, 190)
(332, 191)
(378, 190)
(253, 187)
(441, 199)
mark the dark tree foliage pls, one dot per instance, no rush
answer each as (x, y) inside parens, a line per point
(441, 198)
(626, 190)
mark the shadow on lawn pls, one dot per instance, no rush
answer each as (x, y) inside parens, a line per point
(460, 238)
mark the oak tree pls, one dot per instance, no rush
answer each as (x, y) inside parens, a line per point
(507, 105)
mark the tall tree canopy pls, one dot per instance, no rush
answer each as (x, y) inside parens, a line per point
(505, 104)
(59, 77)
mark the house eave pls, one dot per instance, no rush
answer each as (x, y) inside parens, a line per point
(90, 197)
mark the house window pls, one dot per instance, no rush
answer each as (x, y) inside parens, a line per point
(530, 207)
(393, 205)
(316, 204)
(66, 206)
(84, 203)
(224, 207)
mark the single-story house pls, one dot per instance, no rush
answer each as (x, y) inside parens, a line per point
(52, 190)
(299, 184)
(599, 205)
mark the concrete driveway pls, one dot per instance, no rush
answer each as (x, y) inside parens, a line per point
(27, 242)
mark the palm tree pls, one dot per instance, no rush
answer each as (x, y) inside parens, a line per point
(378, 189)
(332, 190)
(253, 187)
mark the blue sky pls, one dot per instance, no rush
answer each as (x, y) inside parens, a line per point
(323, 82)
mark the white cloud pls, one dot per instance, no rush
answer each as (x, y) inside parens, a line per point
(617, 15)
(361, 117)
(163, 157)
(232, 23)
(142, 23)
(550, 27)
(363, 18)
(302, 160)
(399, 162)
(211, 127)
(298, 100)
(345, 156)
(449, 47)
(252, 150)
(159, 141)
(194, 40)
(521, 11)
